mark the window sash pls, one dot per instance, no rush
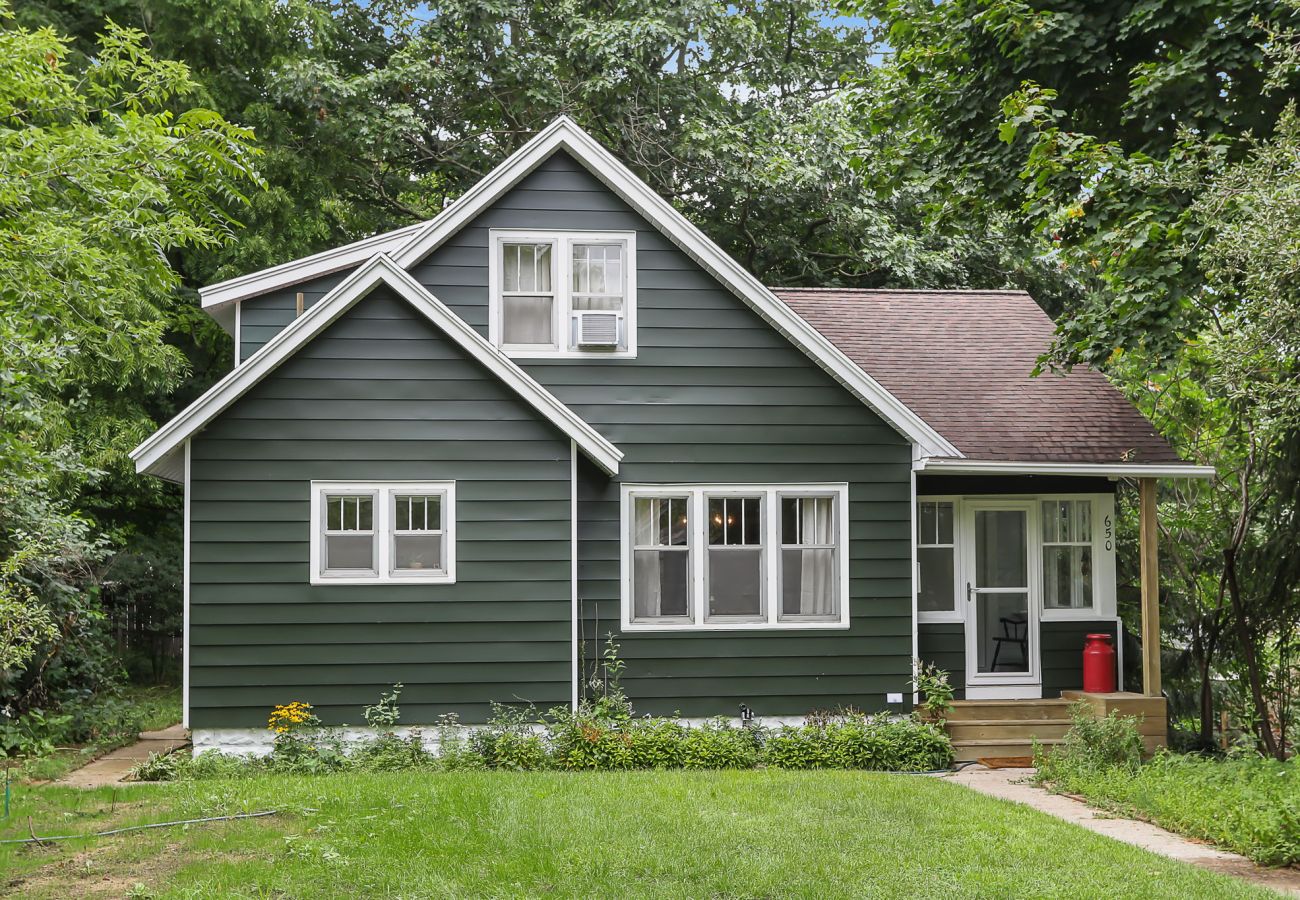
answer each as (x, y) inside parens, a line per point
(1077, 525)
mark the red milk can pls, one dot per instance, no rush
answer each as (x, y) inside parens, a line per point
(1098, 664)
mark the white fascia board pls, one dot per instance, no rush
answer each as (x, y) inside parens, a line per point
(152, 455)
(1109, 470)
(563, 133)
(216, 296)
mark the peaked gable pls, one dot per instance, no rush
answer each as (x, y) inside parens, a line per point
(563, 134)
(157, 455)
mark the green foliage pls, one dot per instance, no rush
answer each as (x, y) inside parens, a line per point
(880, 743)
(933, 685)
(718, 744)
(1092, 744)
(386, 713)
(160, 767)
(1250, 805)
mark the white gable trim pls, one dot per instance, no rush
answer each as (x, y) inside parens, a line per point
(154, 454)
(411, 244)
(299, 270)
(1110, 470)
(564, 134)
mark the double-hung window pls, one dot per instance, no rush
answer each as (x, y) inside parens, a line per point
(1067, 554)
(570, 293)
(383, 532)
(735, 557)
(936, 560)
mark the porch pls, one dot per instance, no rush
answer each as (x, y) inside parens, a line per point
(1010, 584)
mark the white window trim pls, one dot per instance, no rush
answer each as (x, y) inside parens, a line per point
(384, 528)
(1103, 557)
(562, 289)
(957, 613)
(772, 494)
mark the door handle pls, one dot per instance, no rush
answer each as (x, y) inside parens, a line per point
(970, 592)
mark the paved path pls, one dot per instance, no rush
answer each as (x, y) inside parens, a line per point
(113, 767)
(1009, 784)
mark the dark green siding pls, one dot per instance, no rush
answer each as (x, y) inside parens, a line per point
(264, 316)
(714, 395)
(262, 635)
(944, 644)
(1062, 647)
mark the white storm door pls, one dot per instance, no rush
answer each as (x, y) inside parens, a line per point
(1001, 603)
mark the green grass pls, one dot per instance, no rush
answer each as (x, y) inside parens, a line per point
(1251, 806)
(113, 721)
(674, 834)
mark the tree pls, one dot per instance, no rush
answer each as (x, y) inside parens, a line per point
(99, 179)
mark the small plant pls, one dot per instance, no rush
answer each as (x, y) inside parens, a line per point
(608, 701)
(385, 714)
(1092, 744)
(160, 767)
(931, 682)
(881, 742)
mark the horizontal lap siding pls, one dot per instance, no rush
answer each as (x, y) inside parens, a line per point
(944, 645)
(264, 316)
(1062, 644)
(261, 634)
(714, 395)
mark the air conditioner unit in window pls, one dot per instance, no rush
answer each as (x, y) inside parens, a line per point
(598, 329)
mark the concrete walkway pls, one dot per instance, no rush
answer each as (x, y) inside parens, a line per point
(1011, 784)
(112, 767)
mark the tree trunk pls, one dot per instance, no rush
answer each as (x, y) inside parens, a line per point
(1247, 640)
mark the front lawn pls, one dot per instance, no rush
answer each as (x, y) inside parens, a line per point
(762, 833)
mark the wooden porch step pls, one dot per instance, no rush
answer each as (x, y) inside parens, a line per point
(993, 748)
(1007, 729)
(963, 710)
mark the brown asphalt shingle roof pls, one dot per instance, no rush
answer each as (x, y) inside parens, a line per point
(961, 361)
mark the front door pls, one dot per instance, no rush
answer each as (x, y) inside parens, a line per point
(1001, 609)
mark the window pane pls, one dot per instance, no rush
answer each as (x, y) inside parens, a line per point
(926, 527)
(1067, 521)
(789, 520)
(417, 551)
(418, 513)
(1001, 554)
(526, 320)
(526, 267)
(735, 580)
(944, 516)
(660, 522)
(597, 269)
(660, 583)
(936, 579)
(735, 521)
(1067, 577)
(349, 552)
(808, 583)
(599, 304)
(348, 513)
(808, 520)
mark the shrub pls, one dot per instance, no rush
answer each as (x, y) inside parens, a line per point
(582, 740)
(931, 682)
(389, 753)
(717, 744)
(882, 743)
(1092, 744)
(159, 767)
(657, 743)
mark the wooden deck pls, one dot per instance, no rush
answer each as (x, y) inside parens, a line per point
(1001, 729)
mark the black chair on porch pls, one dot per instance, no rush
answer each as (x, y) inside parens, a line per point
(1015, 630)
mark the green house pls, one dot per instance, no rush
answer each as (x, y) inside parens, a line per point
(462, 454)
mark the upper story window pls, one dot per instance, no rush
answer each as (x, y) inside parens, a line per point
(383, 532)
(735, 557)
(563, 294)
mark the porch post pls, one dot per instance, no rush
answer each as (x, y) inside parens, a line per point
(1150, 574)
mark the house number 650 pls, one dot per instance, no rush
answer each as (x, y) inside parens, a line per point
(1109, 537)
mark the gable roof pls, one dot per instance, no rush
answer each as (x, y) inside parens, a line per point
(158, 454)
(418, 241)
(962, 360)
